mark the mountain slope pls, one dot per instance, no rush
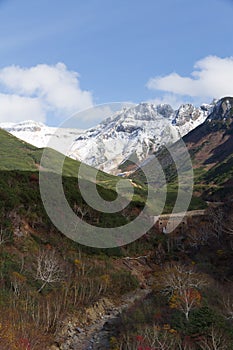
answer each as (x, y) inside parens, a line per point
(31, 316)
(17, 155)
(210, 146)
(39, 134)
(138, 130)
(21, 196)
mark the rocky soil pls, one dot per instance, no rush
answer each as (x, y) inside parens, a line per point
(98, 325)
(94, 327)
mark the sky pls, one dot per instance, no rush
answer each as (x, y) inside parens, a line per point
(61, 57)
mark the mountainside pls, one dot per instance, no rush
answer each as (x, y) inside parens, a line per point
(86, 286)
(30, 243)
(38, 134)
(138, 130)
(21, 156)
(210, 146)
(211, 142)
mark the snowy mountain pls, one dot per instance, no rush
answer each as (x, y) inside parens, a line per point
(188, 117)
(222, 110)
(40, 135)
(138, 130)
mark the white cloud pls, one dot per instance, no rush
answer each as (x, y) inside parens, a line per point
(14, 108)
(44, 89)
(212, 78)
(96, 114)
(103, 111)
(174, 100)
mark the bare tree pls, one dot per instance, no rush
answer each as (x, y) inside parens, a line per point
(151, 338)
(221, 220)
(216, 220)
(49, 268)
(185, 300)
(179, 277)
(216, 340)
(17, 283)
(186, 345)
(159, 339)
(4, 236)
(182, 285)
(81, 211)
(199, 236)
(227, 302)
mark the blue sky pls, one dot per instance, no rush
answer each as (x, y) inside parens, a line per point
(125, 50)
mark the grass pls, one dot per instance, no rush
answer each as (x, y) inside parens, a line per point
(19, 184)
(220, 173)
(17, 155)
(86, 270)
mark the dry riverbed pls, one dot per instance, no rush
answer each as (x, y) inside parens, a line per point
(98, 324)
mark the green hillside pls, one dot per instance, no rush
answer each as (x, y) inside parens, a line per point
(19, 183)
(16, 154)
(35, 309)
(26, 232)
(19, 155)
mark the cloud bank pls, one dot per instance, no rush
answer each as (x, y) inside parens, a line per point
(212, 77)
(33, 93)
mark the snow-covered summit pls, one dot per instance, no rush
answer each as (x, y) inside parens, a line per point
(27, 125)
(140, 129)
(40, 135)
(134, 130)
(188, 117)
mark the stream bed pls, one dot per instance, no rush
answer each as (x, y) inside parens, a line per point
(96, 335)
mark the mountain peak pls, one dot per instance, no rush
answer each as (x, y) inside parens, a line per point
(140, 129)
(27, 125)
(222, 110)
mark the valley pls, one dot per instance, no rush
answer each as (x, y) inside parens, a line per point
(124, 297)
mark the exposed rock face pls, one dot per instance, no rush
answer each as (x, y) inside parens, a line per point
(222, 110)
(138, 130)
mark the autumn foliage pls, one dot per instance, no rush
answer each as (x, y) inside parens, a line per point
(185, 300)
